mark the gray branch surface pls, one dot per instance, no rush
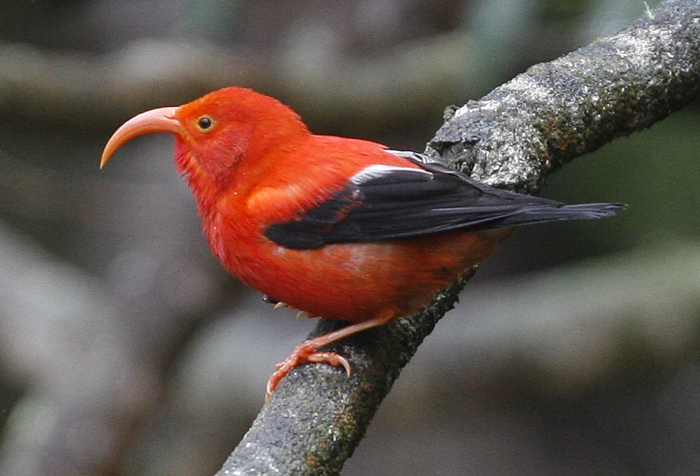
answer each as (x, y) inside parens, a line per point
(512, 138)
(521, 131)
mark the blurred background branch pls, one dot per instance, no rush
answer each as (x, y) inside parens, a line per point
(126, 350)
(43, 84)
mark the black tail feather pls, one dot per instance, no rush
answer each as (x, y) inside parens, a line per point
(536, 213)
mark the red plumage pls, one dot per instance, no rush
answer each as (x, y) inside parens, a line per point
(335, 227)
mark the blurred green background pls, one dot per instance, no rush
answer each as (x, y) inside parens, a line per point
(126, 350)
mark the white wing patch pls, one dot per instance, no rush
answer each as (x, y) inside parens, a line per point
(379, 171)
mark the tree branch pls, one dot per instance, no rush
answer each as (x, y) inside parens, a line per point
(521, 131)
(513, 138)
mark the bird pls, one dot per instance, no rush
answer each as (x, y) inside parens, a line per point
(341, 228)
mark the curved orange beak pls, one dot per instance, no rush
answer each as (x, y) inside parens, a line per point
(156, 120)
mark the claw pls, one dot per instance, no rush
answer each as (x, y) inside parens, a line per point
(303, 354)
(280, 304)
(301, 314)
(332, 358)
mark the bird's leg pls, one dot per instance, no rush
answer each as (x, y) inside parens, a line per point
(306, 351)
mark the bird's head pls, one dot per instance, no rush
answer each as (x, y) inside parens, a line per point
(215, 132)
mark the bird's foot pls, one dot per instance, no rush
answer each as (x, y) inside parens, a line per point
(304, 353)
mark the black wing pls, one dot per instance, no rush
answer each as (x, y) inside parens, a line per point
(384, 202)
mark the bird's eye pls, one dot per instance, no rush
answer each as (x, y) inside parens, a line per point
(205, 123)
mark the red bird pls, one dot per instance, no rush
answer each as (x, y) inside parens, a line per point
(335, 227)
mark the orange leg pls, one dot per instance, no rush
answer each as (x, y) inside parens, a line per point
(306, 351)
